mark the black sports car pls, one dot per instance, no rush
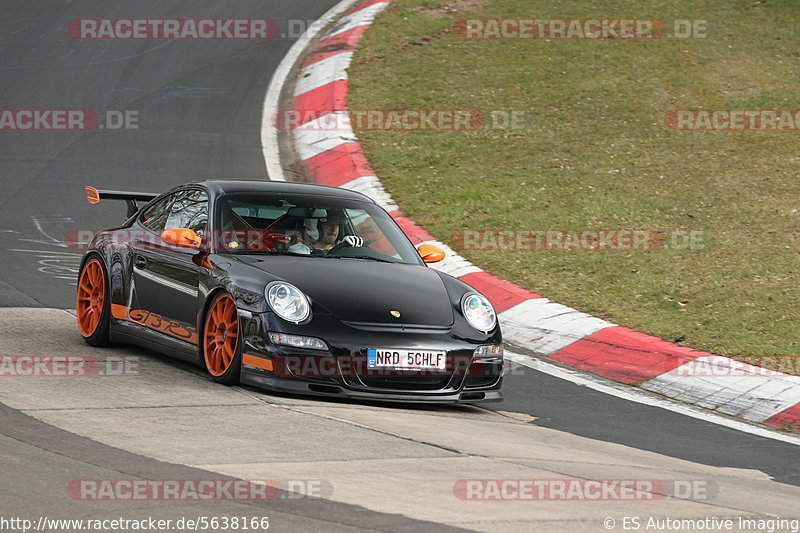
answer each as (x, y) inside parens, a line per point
(290, 287)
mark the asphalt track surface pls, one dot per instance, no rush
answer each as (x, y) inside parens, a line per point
(199, 116)
(38, 457)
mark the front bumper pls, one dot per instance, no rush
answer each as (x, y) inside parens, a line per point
(333, 390)
(342, 372)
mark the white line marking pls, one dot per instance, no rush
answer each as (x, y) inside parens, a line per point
(269, 133)
(370, 186)
(57, 219)
(328, 70)
(362, 17)
(546, 327)
(312, 138)
(729, 387)
(635, 395)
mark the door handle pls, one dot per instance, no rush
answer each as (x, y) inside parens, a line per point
(140, 262)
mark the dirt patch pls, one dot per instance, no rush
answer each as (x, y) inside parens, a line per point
(450, 8)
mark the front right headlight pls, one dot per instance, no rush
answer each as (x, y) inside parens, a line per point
(478, 312)
(288, 301)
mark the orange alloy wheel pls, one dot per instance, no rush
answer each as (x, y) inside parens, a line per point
(221, 336)
(91, 297)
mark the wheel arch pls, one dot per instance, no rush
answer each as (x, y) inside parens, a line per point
(118, 274)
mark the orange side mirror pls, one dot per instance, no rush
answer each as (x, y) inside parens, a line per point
(182, 237)
(430, 253)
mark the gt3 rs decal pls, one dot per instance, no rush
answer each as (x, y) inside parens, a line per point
(156, 322)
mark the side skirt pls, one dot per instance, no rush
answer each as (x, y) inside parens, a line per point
(172, 349)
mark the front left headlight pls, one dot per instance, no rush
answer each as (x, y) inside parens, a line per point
(478, 312)
(489, 350)
(288, 301)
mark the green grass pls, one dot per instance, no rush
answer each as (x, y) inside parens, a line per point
(597, 155)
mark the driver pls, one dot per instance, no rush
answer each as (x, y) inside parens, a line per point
(321, 235)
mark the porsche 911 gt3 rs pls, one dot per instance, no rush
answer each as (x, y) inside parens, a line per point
(289, 287)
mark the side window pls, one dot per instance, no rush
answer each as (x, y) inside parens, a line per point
(155, 216)
(189, 209)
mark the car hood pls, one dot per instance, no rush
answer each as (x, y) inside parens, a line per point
(357, 290)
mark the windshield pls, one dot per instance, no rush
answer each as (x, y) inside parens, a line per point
(309, 225)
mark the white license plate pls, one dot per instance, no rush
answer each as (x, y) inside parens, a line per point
(406, 359)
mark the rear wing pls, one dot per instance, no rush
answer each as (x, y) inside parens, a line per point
(93, 196)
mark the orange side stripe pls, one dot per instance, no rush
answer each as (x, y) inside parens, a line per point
(258, 362)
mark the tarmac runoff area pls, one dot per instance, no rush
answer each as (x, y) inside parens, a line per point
(450, 467)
